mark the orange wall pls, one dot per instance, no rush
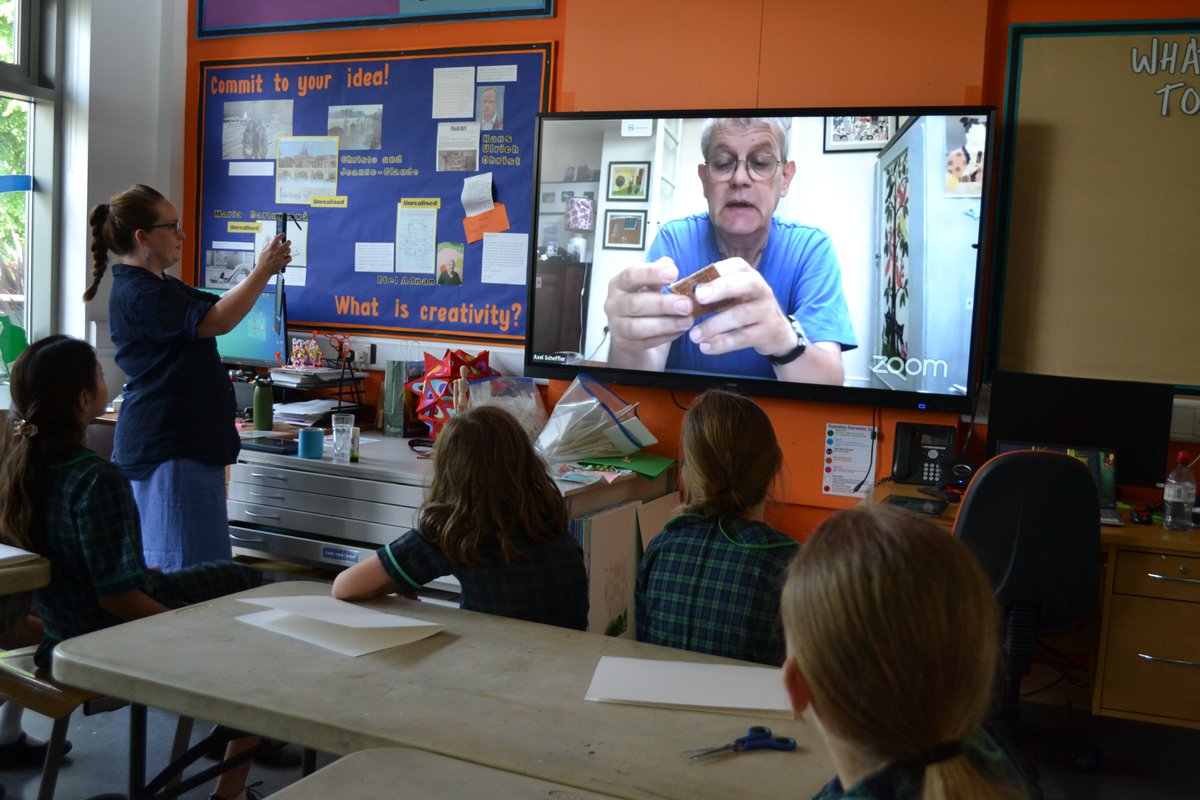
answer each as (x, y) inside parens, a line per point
(635, 54)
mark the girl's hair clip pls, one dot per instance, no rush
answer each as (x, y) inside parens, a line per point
(26, 429)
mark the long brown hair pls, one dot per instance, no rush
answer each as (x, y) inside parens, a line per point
(729, 455)
(488, 481)
(894, 626)
(42, 427)
(114, 223)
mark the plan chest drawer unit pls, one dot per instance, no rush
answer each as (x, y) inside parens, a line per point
(1150, 642)
(328, 506)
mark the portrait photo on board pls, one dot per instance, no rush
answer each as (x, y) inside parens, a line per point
(252, 128)
(489, 107)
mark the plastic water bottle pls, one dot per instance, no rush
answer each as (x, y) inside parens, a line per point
(1179, 495)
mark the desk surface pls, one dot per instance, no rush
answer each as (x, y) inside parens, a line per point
(498, 692)
(24, 577)
(376, 774)
(1151, 537)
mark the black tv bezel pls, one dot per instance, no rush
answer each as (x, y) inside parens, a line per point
(877, 397)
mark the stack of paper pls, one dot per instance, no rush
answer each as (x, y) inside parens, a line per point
(337, 625)
(305, 413)
(305, 377)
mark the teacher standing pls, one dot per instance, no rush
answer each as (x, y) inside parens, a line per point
(175, 433)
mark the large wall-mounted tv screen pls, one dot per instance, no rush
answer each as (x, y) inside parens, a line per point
(844, 245)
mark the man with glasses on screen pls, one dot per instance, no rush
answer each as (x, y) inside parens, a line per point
(775, 311)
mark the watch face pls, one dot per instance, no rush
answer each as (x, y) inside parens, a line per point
(801, 339)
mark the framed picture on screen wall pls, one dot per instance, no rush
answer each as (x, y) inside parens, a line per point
(625, 230)
(628, 180)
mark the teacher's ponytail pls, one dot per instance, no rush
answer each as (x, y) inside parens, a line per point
(99, 249)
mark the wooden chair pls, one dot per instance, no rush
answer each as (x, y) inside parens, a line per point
(23, 683)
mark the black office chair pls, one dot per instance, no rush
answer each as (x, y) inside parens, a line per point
(1032, 519)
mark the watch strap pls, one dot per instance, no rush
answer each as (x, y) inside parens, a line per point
(795, 352)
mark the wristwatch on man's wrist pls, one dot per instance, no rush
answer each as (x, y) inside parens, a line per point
(795, 352)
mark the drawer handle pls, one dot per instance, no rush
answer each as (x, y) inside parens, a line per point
(263, 516)
(268, 496)
(272, 477)
(1154, 577)
(237, 538)
(1178, 661)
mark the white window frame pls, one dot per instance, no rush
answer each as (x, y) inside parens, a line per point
(36, 77)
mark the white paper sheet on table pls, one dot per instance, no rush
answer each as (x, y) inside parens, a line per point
(336, 625)
(722, 688)
(15, 555)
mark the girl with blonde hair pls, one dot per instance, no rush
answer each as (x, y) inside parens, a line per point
(892, 640)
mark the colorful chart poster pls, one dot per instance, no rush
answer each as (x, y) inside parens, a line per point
(848, 466)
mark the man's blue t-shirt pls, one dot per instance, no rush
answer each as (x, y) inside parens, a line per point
(178, 400)
(799, 265)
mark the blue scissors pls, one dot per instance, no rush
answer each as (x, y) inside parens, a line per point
(757, 738)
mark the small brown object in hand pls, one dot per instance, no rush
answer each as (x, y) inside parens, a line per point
(687, 288)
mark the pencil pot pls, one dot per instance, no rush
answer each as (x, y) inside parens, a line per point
(264, 405)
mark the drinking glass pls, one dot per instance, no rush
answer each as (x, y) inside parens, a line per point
(343, 432)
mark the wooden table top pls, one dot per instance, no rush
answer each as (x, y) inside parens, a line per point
(376, 774)
(1151, 537)
(25, 576)
(496, 692)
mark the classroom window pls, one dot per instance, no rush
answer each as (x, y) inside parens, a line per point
(11, 50)
(15, 185)
(31, 35)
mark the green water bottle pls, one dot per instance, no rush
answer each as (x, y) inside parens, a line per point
(264, 404)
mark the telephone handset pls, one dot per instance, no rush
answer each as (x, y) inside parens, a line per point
(919, 452)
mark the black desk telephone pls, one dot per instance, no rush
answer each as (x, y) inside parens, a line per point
(920, 451)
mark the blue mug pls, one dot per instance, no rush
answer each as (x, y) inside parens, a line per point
(312, 443)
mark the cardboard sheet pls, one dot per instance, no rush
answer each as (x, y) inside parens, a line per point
(337, 625)
(721, 688)
(654, 515)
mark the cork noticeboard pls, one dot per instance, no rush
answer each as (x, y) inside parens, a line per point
(1099, 244)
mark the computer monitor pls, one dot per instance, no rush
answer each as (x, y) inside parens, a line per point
(1101, 461)
(260, 339)
(1133, 418)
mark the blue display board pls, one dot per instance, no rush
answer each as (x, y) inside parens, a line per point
(407, 179)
